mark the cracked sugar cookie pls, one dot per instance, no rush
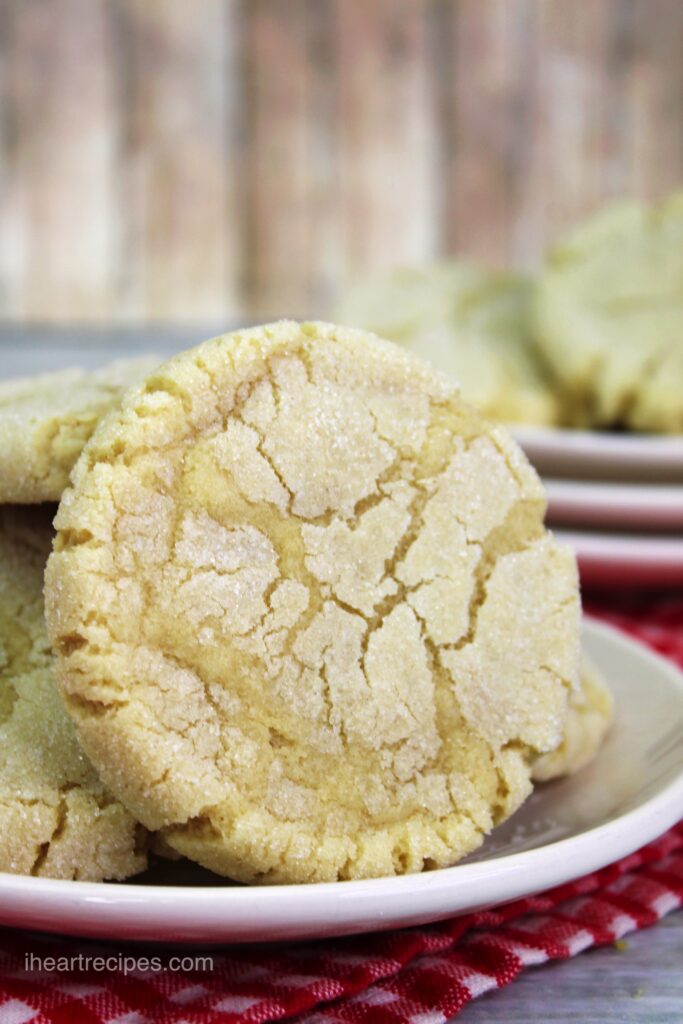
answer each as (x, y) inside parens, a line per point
(591, 710)
(609, 317)
(46, 420)
(56, 818)
(307, 618)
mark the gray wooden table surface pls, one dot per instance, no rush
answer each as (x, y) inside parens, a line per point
(641, 984)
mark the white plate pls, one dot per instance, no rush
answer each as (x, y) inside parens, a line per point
(625, 559)
(591, 454)
(630, 794)
(630, 506)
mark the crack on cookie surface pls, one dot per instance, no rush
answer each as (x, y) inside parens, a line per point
(57, 831)
(56, 819)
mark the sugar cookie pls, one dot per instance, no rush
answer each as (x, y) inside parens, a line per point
(306, 615)
(591, 709)
(609, 318)
(46, 420)
(56, 818)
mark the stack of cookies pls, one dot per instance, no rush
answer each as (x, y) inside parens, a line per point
(303, 621)
(56, 817)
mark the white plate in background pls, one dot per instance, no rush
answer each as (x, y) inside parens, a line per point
(625, 559)
(629, 506)
(631, 793)
(594, 454)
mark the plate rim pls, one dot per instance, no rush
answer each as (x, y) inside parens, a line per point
(621, 490)
(615, 505)
(507, 875)
(634, 457)
(595, 443)
(617, 546)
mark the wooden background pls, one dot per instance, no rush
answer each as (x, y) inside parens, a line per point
(201, 159)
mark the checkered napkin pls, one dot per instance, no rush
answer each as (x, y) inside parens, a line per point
(419, 975)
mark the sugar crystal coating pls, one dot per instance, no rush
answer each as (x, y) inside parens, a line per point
(307, 619)
(46, 420)
(56, 817)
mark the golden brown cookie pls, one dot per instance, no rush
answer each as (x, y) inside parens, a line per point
(56, 818)
(307, 618)
(46, 420)
(591, 710)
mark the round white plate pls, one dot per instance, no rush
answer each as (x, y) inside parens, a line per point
(625, 559)
(593, 454)
(629, 506)
(631, 793)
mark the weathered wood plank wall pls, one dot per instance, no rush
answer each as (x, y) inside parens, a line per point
(199, 159)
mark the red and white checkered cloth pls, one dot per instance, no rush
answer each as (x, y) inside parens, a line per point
(420, 975)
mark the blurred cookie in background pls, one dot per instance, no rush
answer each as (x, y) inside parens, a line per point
(471, 323)
(609, 318)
